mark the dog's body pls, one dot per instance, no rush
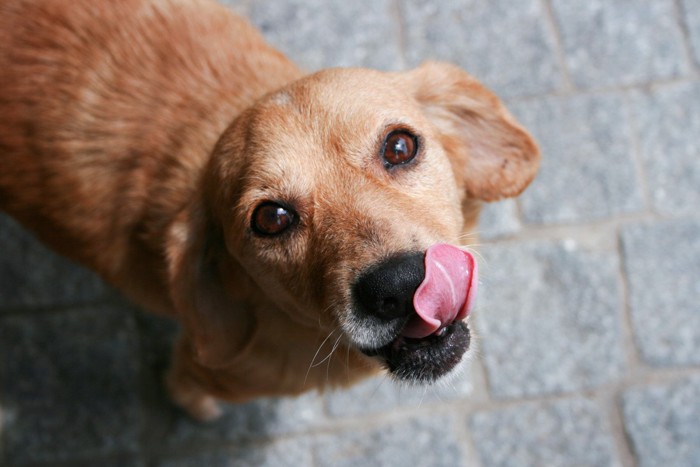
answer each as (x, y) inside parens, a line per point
(165, 145)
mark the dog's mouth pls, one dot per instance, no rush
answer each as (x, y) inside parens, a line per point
(426, 359)
(430, 339)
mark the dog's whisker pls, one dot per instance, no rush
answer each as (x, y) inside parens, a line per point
(477, 253)
(311, 365)
(422, 397)
(330, 355)
(481, 257)
(347, 362)
(471, 245)
(468, 235)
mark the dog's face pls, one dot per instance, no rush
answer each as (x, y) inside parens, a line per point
(337, 198)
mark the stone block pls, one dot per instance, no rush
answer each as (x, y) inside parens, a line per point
(293, 452)
(620, 43)
(662, 423)
(421, 441)
(562, 433)
(691, 8)
(381, 394)
(549, 318)
(259, 419)
(31, 275)
(333, 33)
(668, 121)
(498, 220)
(507, 44)
(587, 170)
(662, 262)
(69, 385)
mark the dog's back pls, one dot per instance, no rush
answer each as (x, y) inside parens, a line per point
(107, 105)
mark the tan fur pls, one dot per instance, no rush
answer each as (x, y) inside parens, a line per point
(137, 136)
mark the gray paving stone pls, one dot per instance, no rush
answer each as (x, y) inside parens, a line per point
(112, 461)
(260, 419)
(691, 8)
(662, 262)
(31, 275)
(549, 318)
(505, 43)
(158, 336)
(498, 220)
(294, 452)
(208, 458)
(564, 433)
(381, 394)
(333, 33)
(69, 385)
(668, 121)
(426, 441)
(662, 423)
(587, 170)
(620, 43)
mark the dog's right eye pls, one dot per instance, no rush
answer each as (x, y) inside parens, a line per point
(271, 218)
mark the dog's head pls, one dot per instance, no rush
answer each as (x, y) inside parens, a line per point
(336, 201)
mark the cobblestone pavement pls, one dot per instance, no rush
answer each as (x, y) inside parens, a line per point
(589, 320)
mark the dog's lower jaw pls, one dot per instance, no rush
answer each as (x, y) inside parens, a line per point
(425, 361)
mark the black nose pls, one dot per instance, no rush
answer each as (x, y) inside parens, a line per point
(386, 290)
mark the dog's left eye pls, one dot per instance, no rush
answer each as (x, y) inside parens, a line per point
(400, 147)
(271, 218)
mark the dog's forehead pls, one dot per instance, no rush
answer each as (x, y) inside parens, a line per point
(336, 110)
(333, 97)
(348, 86)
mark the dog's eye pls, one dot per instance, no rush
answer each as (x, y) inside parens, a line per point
(271, 218)
(400, 147)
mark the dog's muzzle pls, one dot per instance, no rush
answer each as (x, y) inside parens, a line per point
(409, 311)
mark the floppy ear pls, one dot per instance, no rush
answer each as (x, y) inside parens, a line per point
(209, 304)
(492, 155)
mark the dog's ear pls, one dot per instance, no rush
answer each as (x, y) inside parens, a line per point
(207, 299)
(492, 155)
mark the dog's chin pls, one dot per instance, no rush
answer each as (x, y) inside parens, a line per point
(424, 360)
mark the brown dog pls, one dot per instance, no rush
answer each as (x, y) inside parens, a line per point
(285, 219)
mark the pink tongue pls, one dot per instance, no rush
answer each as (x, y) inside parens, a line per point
(447, 291)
